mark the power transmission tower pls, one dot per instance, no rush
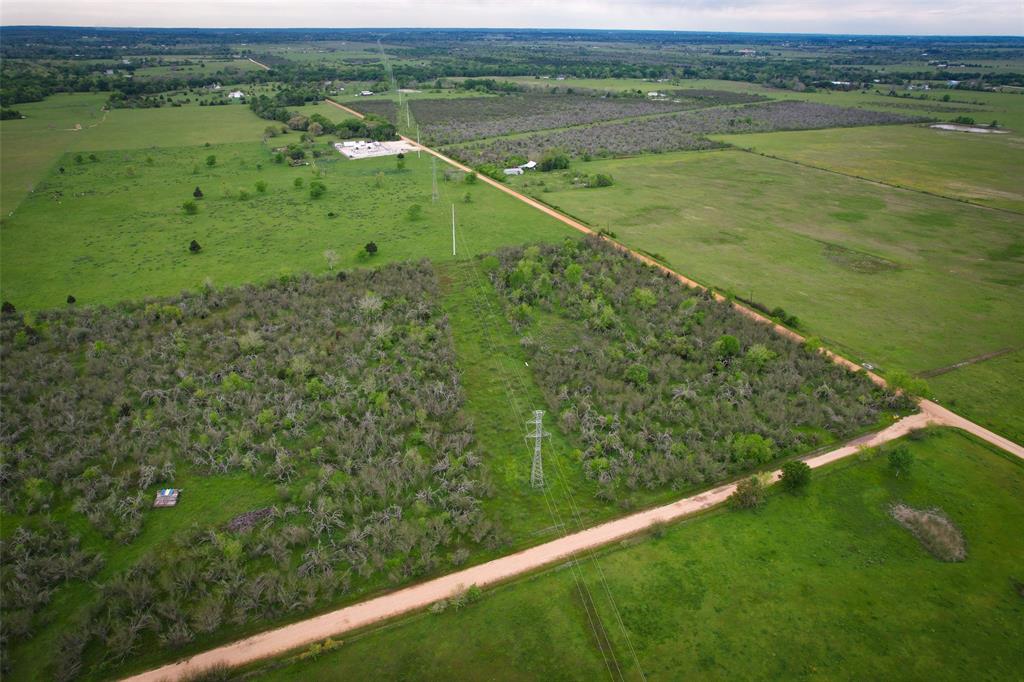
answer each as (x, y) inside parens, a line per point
(537, 471)
(433, 173)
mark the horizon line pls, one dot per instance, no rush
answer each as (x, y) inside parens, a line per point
(511, 28)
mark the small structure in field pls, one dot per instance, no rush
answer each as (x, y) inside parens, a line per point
(514, 171)
(529, 165)
(363, 149)
(236, 94)
(166, 497)
(365, 93)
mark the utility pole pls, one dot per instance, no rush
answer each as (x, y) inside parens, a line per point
(453, 229)
(433, 177)
(537, 471)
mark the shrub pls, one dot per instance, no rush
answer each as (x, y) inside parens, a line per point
(297, 183)
(643, 298)
(8, 308)
(371, 248)
(198, 193)
(749, 493)
(795, 475)
(194, 247)
(470, 178)
(211, 160)
(261, 186)
(190, 207)
(415, 212)
(602, 180)
(317, 189)
(71, 299)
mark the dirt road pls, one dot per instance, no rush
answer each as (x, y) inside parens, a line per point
(265, 67)
(281, 640)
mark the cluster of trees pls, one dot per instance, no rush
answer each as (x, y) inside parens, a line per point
(683, 130)
(275, 108)
(662, 384)
(341, 392)
(449, 121)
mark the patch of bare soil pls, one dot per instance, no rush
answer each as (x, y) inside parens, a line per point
(933, 530)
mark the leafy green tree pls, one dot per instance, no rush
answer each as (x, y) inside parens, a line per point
(726, 346)
(197, 193)
(637, 375)
(317, 189)
(643, 298)
(752, 448)
(553, 159)
(211, 160)
(795, 475)
(901, 460)
(470, 178)
(194, 247)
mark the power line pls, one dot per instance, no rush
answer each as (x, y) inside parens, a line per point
(538, 435)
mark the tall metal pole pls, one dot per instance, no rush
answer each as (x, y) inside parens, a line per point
(537, 470)
(453, 229)
(433, 179)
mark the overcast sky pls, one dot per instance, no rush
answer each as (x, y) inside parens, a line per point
(947, 17)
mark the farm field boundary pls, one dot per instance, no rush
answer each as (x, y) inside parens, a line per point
(357, 616)
(876, 181)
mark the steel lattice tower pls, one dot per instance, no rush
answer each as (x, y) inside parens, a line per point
(537, 471)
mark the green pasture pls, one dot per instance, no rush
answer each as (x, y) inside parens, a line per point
(980, 168)
(122, 232)
(987, 393)
(29, 147)
(900, 279)
(817, 585)
(200, 67)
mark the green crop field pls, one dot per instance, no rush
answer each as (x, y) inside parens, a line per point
(980, 168)
(124, 234)
(811, 585)
(900, 279)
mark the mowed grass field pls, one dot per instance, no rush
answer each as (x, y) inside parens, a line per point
(980, 168)
(30, 146)
(115, 229)
(896, 278)
(987, 393)
(820, 585)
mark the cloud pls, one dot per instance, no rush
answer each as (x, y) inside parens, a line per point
(953, 17)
